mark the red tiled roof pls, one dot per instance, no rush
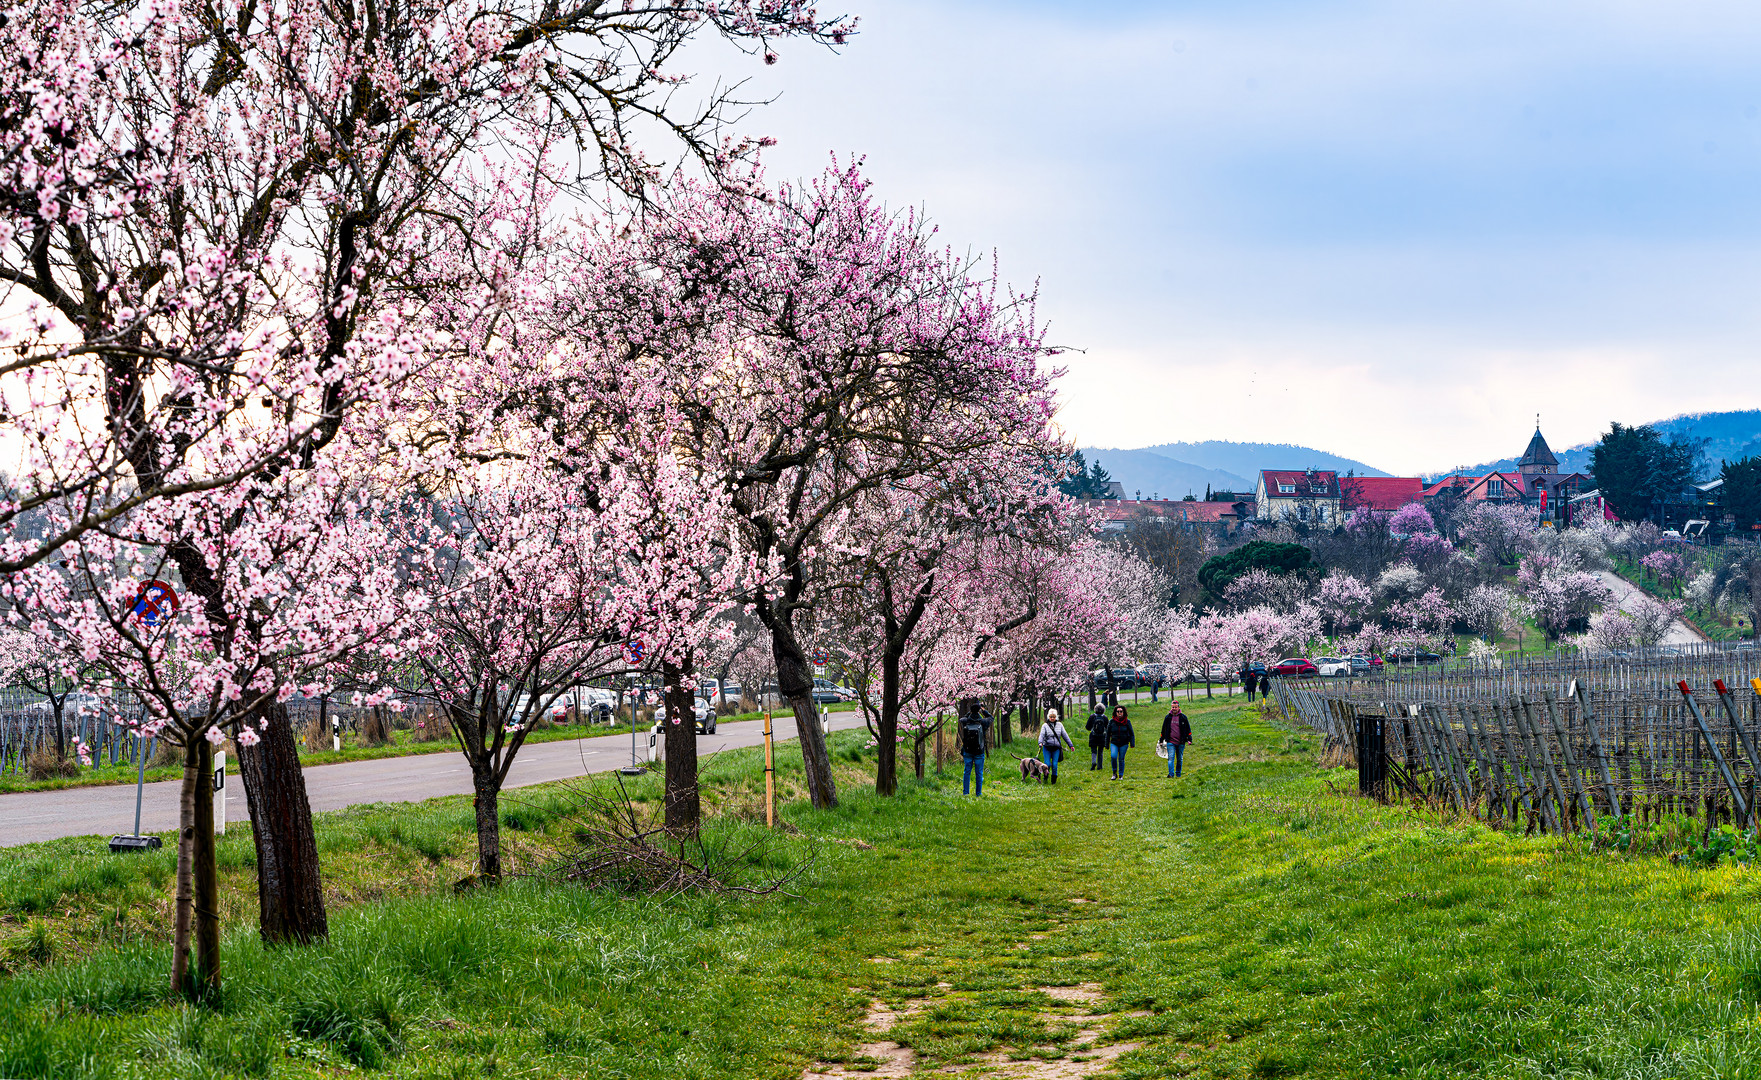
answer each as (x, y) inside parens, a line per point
(1297, 476)
(1381, 492)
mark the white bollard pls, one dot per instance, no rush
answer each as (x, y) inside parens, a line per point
(219, 793)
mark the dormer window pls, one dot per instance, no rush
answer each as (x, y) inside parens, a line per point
(1495, 488)
(1287, 489)
(1318, 489)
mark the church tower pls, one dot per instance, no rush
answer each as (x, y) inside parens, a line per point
(1537, 460)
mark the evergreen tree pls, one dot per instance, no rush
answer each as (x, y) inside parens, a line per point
(1742, 490)
(1636, 469)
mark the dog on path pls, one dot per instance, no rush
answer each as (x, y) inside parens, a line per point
(1033, 768)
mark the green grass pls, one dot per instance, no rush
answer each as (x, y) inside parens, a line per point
(1252, 919)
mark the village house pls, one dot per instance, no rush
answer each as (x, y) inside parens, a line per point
(1310, 495)
(1536, 481)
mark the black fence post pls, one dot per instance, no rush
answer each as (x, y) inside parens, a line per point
(1372, 757)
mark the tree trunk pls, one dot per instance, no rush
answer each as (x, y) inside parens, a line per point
(1004, 712)
(198, 892)
(796, 687)
(886, 769)
(683, 804)
(205, 877)
(487, 806)
(186, 832)
(60, 732)
(290, 886)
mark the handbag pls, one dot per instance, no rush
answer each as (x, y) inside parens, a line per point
(1162, 750)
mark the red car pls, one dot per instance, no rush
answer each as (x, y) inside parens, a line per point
(1294, 665)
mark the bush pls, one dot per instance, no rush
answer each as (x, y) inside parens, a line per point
(45, 765)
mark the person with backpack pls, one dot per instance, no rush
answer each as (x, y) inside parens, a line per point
(1121, 736)
(1265, 687)
(1176, 733)
(975, 727)
(1097, 738)
(1052, 741)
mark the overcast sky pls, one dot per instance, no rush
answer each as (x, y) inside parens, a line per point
(1394, 231)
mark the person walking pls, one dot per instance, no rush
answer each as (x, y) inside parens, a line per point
(1097, 738)
(1121, 736)
(1265, 686)
(1155, 687)
(1247, 681)
(1176, 733)
(1052, 741)
(975, 729)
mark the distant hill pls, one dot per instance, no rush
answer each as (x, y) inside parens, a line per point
(1154, 474)
(1246, 459)
(1174, 470)
(1728, 435)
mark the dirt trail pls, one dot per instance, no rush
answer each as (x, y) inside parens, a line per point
(1077, 1019)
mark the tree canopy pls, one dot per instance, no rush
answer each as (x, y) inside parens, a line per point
(1636, 468)
(1085, 481)
(1218, 572)
(1742, 490)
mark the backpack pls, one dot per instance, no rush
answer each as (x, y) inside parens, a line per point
(971, 735)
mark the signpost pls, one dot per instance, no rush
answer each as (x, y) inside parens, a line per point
(135, 841)
(155, 602)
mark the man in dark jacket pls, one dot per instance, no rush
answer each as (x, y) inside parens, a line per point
(1265, 686)
(1097, 738)
(975, 729)
(1247, 681)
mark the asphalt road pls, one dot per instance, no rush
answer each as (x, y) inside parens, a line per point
(30, 816)
(1626, 594)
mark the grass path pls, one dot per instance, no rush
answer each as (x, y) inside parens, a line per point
(1244, 921)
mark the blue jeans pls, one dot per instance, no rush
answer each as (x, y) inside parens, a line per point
(974, 766)
(1051, 755)
(1174, 751)
(1117, 755)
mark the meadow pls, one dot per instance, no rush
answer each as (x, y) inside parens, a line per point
(1254, 918)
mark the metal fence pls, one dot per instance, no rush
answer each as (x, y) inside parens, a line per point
(1558, 744)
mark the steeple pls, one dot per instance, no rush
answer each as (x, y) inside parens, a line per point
(1537, 459)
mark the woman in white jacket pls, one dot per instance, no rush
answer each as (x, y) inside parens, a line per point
(1052, 741)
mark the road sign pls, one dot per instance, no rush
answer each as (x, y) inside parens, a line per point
(633, 652)
(821, 658)
(155, 602)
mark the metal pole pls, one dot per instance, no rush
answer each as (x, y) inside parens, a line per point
(140, 779)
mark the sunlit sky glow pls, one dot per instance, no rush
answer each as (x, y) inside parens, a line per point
(1388, 230)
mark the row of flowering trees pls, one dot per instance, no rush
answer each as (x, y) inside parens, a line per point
(309, 331)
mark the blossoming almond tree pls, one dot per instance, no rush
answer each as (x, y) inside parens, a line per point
(209, 213)
(822, 350)
(298, 586)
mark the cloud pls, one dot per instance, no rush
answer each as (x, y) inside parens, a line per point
(1391, 230)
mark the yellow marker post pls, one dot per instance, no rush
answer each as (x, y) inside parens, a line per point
(770, 778)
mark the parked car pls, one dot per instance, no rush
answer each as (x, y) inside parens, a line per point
(1217, 673)
(1293, 665)
(1123, 678)
(827, 692)
(1256, 669)
(1363, 665)
(1332, 666)
(705, 719)
(1422, 656)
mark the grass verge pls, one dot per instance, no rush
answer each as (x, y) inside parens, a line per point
(1251, 919)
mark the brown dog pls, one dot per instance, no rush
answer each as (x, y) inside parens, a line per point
(1034, 768)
